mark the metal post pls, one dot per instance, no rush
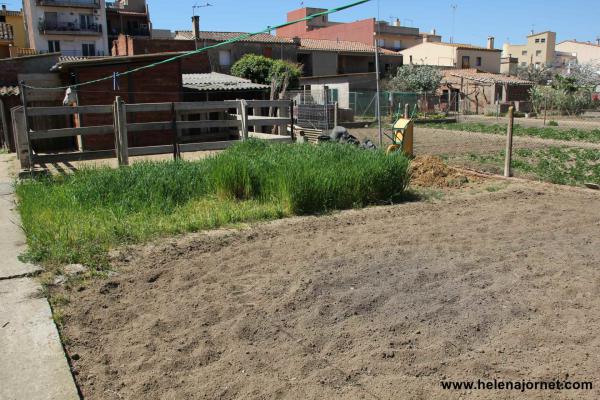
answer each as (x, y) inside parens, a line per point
(326, 101)
(378, 100)
(545, 109)
(509, 140)
(406, 111)
(176, 132)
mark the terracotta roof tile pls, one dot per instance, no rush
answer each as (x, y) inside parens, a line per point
(223, 36)
(472, 74)
(341, 45)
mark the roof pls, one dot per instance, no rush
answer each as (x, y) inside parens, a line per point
(10, 13)
(215, 81)
(9, 91)
(223, 36)
(341, 46)
(539, 33)
(85, 61)
(463, 46)
(582, 43)
(474, 75)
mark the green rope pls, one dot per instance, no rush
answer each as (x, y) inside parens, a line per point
(197, 51)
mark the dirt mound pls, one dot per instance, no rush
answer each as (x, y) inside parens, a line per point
(432, 171)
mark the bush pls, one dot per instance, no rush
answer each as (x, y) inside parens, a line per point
(77, 218)
(552, 123)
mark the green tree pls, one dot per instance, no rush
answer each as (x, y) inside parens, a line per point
(254, 67)
(416, 78)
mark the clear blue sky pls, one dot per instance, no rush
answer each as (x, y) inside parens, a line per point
(475, 19)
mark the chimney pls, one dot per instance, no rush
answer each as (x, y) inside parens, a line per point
(196, 27)
(397, 23)
(4, 7)
(490, 43)
(433, 32)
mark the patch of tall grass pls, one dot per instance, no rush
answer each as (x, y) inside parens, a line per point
(77, 218)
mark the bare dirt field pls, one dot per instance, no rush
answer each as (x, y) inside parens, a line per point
(441, 141)
(498, 280)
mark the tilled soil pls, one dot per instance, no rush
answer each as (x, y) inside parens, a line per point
(441, 141)
(381, 303)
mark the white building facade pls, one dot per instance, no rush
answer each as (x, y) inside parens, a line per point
(71, 27)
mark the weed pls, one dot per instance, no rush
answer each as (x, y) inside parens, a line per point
(78, 218)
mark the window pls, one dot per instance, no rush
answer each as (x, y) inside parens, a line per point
(523, 64)
(543, 40)
(524, 53)
(86, 21)
(466, 62)
(381, 42)
(224, 58)
(478, 61)
(411, 61)
(537, 40)
(53, 46)
(2, 18)
(397, 45)
(88, 49)
(538, 53)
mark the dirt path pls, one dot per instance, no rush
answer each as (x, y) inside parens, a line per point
(380, 303)
(441, 141)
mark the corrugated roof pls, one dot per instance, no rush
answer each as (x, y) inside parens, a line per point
(341, 46)
(215, 81)
(223, 36)
(474, 75)
(10, 91)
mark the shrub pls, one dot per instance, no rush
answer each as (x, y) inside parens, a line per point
(552, 123)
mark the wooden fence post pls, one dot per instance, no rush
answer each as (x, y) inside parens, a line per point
(243, 116)
(292, 133)
(5, 134)
(177, 132)
(336, 111)
(509, 140)
(283, 112)
(22, 146)
(116, 129)
(406, 111)
(122, 140)
(25, 127)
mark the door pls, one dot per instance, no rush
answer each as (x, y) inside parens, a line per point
(88, 49)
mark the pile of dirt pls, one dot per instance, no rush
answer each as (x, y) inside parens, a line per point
(431, 170)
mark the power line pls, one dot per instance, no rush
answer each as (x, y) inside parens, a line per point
(194, 52)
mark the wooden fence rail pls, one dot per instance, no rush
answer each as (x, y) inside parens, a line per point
(234, 114)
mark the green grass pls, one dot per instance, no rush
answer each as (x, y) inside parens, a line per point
(592, 135)
(78, 218)
(560, 165)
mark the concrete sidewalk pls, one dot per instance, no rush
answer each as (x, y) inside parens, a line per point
(33, 365)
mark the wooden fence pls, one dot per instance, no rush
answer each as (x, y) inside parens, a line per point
(247, 126)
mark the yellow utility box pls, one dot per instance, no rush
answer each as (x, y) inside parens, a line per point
(403, 136)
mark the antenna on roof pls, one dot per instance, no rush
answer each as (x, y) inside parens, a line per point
(195, 6)
(453, 7)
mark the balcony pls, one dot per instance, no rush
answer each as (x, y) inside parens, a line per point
(70, 3)
(69, 28)
(6, 32)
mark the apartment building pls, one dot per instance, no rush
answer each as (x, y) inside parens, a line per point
(127, 17)
(12, 32)
(539, 50)
(455, 55)
(583, 52)
(71, 27)
(391, 36)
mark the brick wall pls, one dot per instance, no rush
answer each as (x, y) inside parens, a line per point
(156, 85)
(360, 31)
